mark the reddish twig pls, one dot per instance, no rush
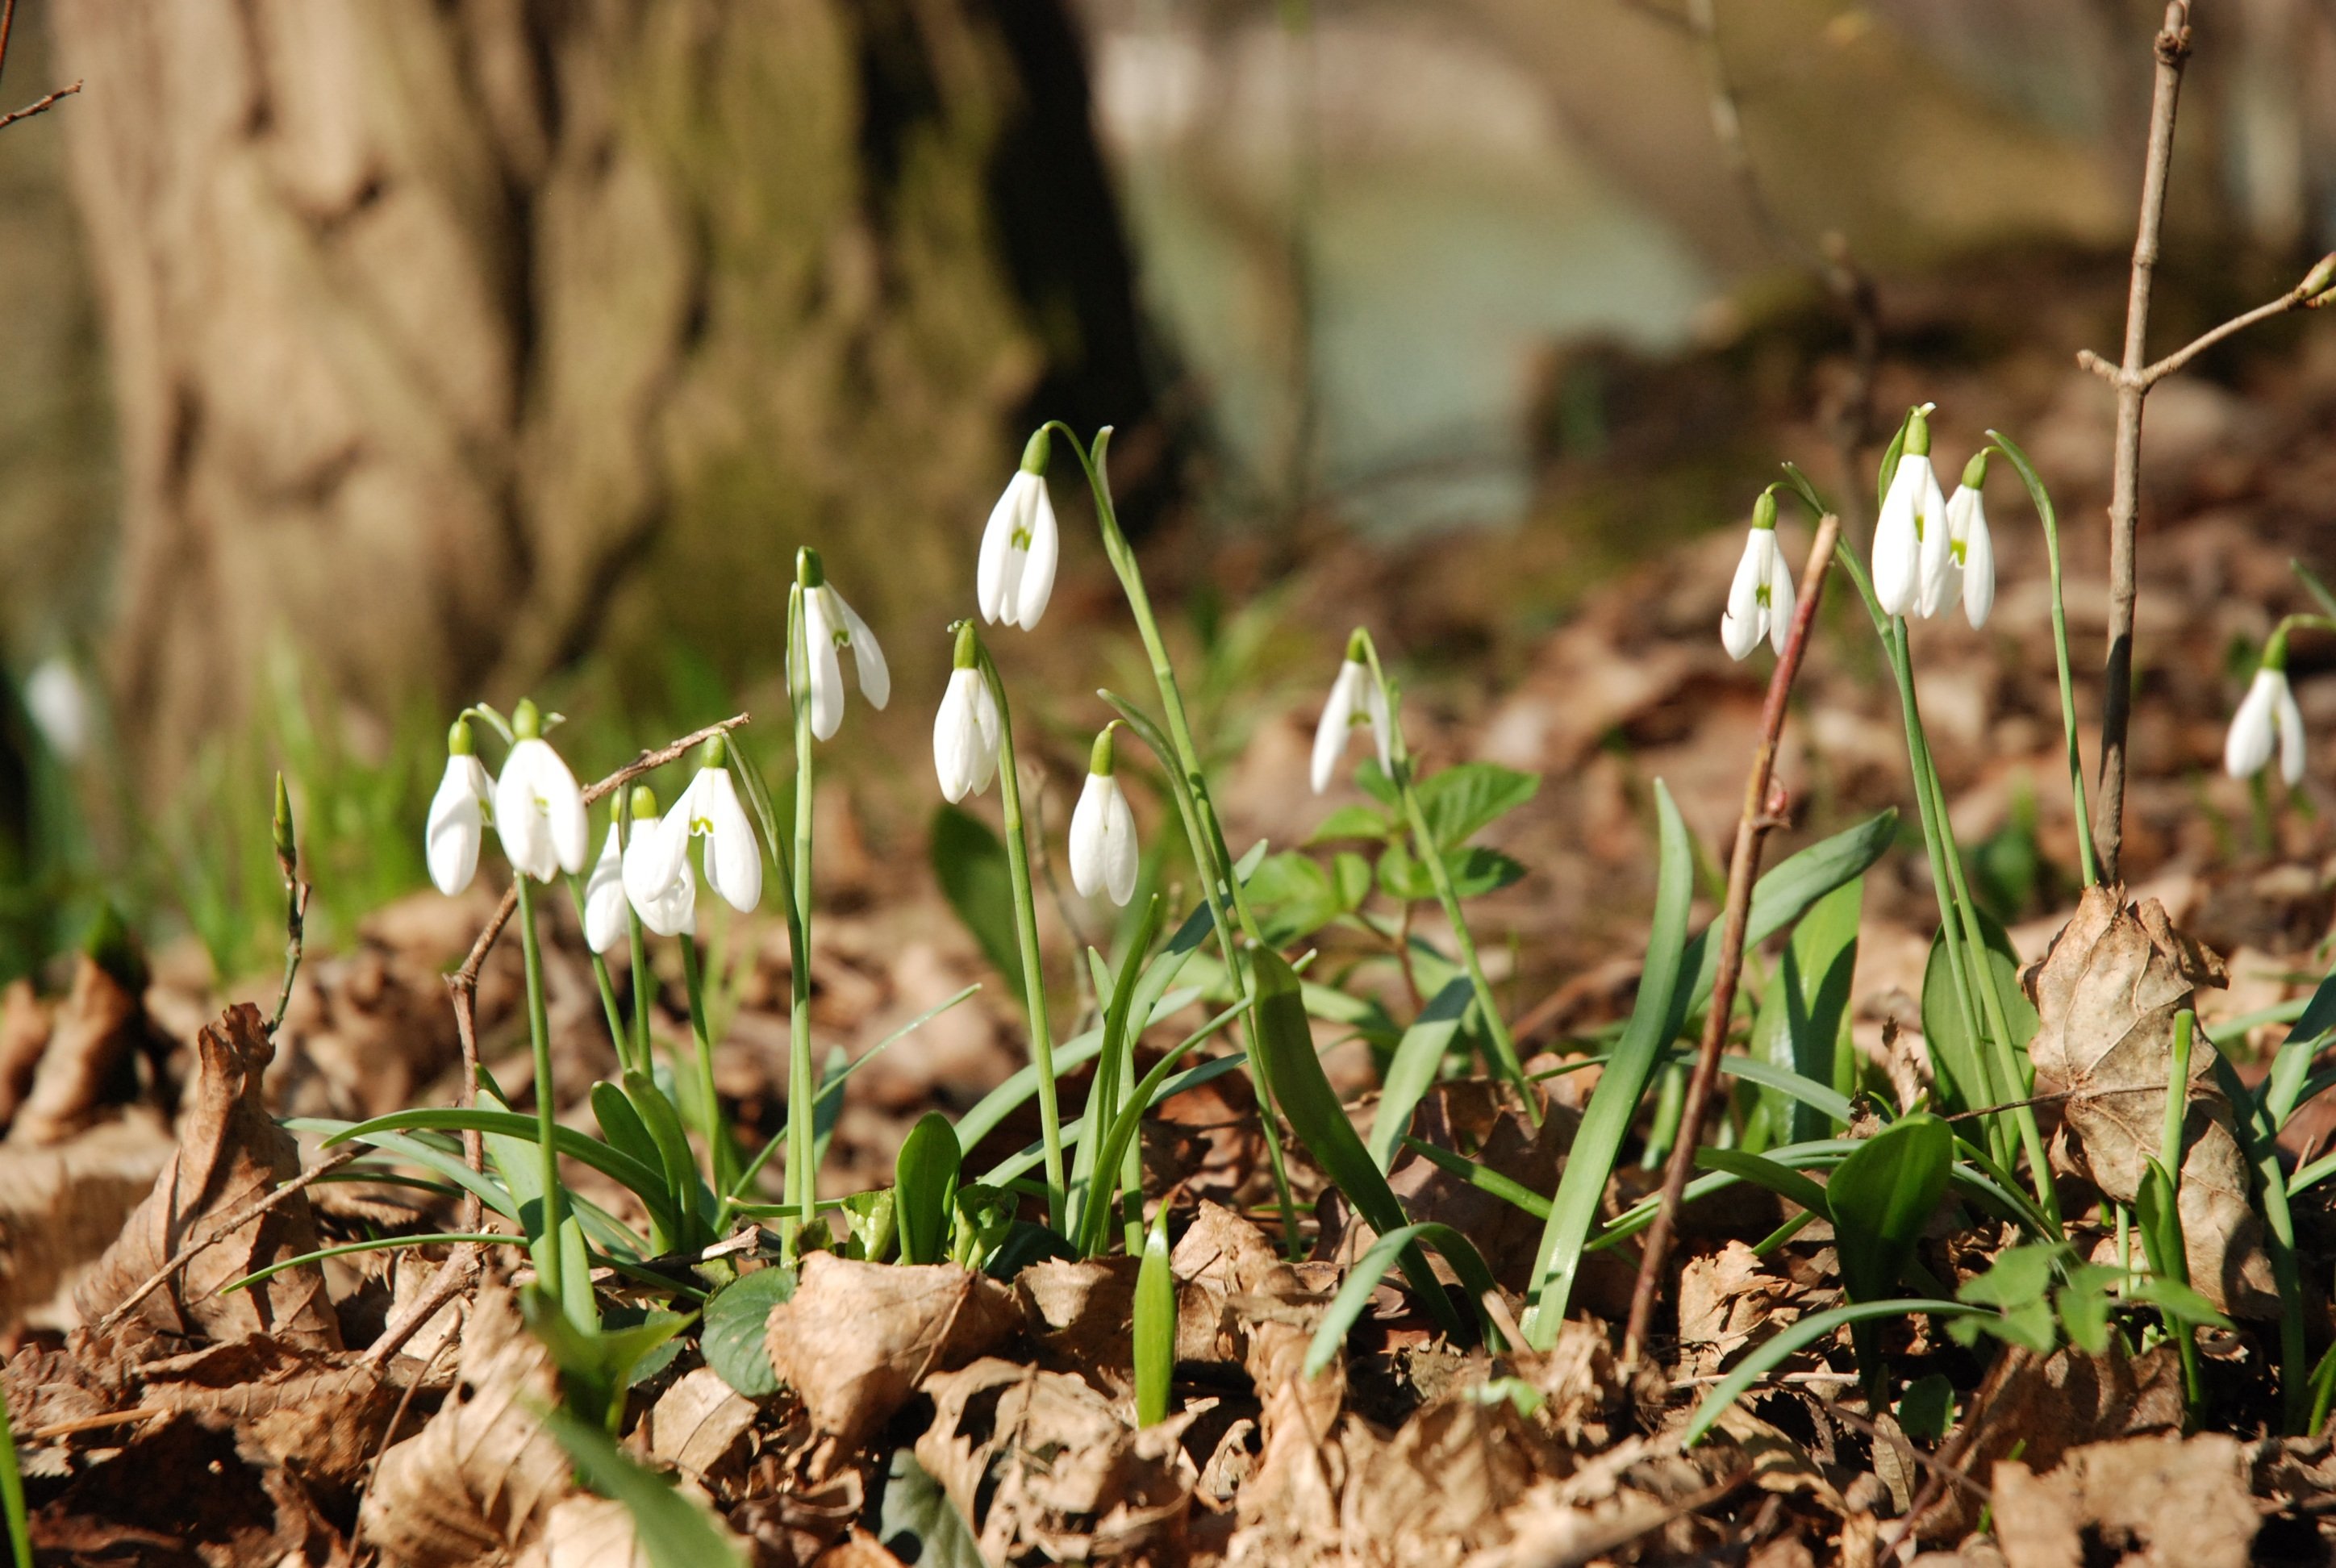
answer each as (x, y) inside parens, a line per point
(1760, 815)
(40, 105)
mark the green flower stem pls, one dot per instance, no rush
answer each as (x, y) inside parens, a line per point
(1213, 888)
(2086, 857)
(2177, 1091)
(1026, 933)
(1181, 759)
(644, 990)
(1439, 875)
(12, 1490)
(721, 1151)
(802, 1175)
(538, 1029)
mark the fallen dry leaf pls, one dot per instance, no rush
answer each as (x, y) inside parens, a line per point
(474, 1482)
(61, 1205)
(1039, 1460)
(2175, 1502)
(856, 1338)
(231, 1154)
(2106, 994)
(700, 1425)
(88, 1061)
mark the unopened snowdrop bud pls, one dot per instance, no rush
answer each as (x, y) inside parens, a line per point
(1970, 551)
(1760, 599)
(1016, 574)
(288, 845)
(831, 626)
(1355, 701)
(604, 890)
(2319, 286)
(1910, 541)
(538, 810)
(660, 888)
(458, 814)
(2268, 713)
(965, 731)
(1103, 829)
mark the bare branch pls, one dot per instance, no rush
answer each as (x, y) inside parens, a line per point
(38, 106)
(2305, 295)
(1760, 815)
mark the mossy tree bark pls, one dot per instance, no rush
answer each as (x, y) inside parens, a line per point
(455, 342)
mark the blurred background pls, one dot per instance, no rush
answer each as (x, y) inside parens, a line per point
(367, 357)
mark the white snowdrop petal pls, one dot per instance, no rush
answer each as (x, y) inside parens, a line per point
(604, 897)
(1119, 853)
(867, 656)
(2290, 720)
(996, 542)
(1896, 566)
(1036, 583)
(734, 857)
(1979, 565)
(1781, 600)
(456, 824)
(1089, 824)
(2249, 744)
(1331, 731)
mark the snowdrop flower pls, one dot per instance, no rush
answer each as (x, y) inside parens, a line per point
(1760, 599)
(1103, 829)
(660, 890)
(458, 814)
(1971, 552)
(707, 808)
(538, 810)
(1019, 547)
(2267, 714)
(829, 626)
(1910, 542)
(59, 705)
(966, 730)
(1356, 700)
(604, 893)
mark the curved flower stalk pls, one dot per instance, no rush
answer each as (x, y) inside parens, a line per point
(1356, 702)
(830, 626)
(1760, 599)
(1910, 541)
(1970, 551)
(2267, 717)
(458, 814)
(965, 731)
(1103, 829)
(1019, 547)
(539, 809)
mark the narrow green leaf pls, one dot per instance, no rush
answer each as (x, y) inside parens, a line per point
(1784, 893)
(1772, 1353)
(646, 1184)
(1155, 1328)
(661, 1123)
(1882, 1196)
(1614, 1103)
(924, 1179)
(1778, 1178)
(1483, 1178)
(1285, 1044)
(1346, 1309)
(671, 1530)
(1418, 1061)
(1805, 1013)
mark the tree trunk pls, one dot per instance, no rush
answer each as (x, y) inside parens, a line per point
(453, 342)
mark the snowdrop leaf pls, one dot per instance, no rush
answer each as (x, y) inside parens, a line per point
(970, 861)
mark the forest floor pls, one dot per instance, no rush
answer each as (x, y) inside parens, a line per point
(182, 1426)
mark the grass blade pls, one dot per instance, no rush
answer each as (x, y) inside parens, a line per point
(1346, 1309)
(1772, 1353)
(1614, 1104)
(1417, 1060)
(1154, 1326)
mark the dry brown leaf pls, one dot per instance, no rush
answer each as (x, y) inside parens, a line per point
(586, 1531)
(1727, 1299)
(700, 1425)
(856, 1338)
(2105, 995)
(24, 1036)
(1038, 1459)
(2175, 1502)
(61, 1205)
(1082, 1313)
(480, 1476)
(88, 1061)
(230, 1152)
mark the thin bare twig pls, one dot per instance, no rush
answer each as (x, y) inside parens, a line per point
(2173, 51)
(257, 1209)
(1760, 815)
(40, 105)
(463, 1264)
